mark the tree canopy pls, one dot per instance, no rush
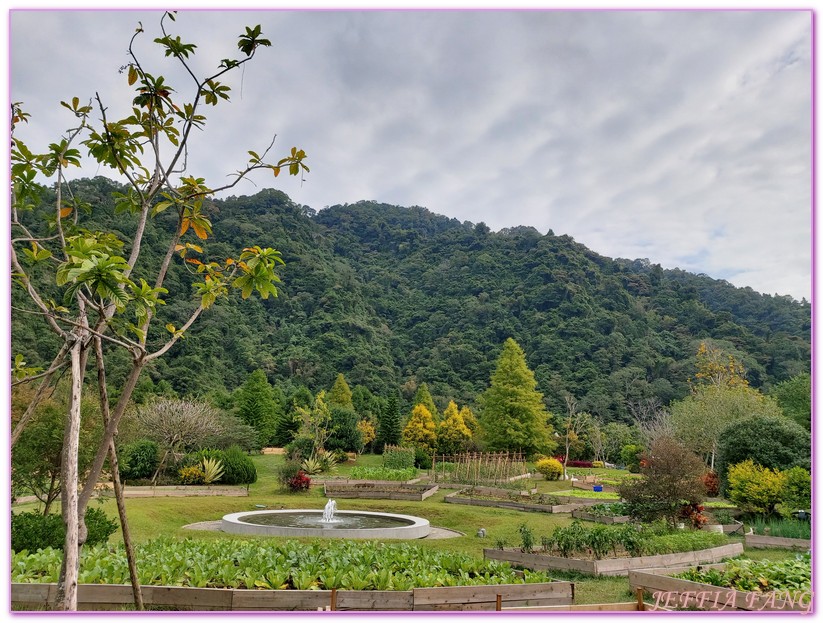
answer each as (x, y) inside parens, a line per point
(513, 415)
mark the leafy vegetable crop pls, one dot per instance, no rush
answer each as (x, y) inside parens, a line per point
(288, 565)
(758, 575)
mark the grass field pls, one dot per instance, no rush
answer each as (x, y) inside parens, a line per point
(152, 517)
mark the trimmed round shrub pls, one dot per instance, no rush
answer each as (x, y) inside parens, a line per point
(32, 531)
(138, 460)
(771, 441)
(238, 468)
(551, 469)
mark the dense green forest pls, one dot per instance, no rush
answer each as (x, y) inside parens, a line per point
(393, 297)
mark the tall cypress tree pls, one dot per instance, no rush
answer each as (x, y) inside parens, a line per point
(340, 394)
(513, 415)
(424, 397)
(389, 429)
(257, 407)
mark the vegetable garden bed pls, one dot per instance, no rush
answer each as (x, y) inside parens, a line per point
(762, 541)
(606, 519)
(459, 497)
(720, 590)
(135, 491)
(380, 491)
(611, 566)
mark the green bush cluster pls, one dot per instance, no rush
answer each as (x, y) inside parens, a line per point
(138, 460)
(33, 531)
(604, 540)
(238, 468)
(398, 457)
(762, 491)
(383, 473)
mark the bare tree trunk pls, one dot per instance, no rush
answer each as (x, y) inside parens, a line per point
(50, 496)
(41, 390)
(115, 478)
(108, 435)
(67, 584)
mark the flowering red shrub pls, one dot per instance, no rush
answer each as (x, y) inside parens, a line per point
(712, 483)
(562, 459)
(579, 464)
(300, 482)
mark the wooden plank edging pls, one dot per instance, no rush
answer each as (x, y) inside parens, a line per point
(613, 566)
(762, 541)
(678, 593)
(480, 597)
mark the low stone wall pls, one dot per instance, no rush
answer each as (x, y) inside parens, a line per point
(613, 566)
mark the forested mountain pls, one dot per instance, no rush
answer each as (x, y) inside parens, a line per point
(393, 297)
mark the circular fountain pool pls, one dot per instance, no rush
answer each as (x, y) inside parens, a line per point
(344, 525)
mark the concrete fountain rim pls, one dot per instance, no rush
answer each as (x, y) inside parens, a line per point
(417, 529)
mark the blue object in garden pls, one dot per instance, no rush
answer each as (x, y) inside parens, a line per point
(597, 488)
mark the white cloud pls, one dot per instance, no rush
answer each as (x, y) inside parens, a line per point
(683, 137)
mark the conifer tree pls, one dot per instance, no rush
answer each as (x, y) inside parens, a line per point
(340, 394)
(421, 431)
(452, 433)
(257, 407)
(514, 416)
(424, 397)
(469, 419)
(389, 430)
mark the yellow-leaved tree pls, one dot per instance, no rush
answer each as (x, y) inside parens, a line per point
(420, 431)
(452, 432)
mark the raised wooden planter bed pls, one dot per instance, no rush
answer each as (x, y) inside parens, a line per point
(573, 499)
(115, 596)
(588, 486)
(762, 541)
(671, 593)
(455, 498)
(318, 482)
(379, 491)
(612, 566)
(133, 491)
(607, 519)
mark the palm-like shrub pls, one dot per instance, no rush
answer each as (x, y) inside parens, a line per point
(212, 470)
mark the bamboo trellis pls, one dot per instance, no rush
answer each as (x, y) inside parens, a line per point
(478, 468)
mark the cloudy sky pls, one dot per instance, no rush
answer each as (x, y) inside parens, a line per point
(679, 136)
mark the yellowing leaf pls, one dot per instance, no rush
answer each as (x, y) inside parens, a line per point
(64, 212)
(132, 75)
(171, 328)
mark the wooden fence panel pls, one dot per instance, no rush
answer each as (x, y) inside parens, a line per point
(375, 600)
(485, 597)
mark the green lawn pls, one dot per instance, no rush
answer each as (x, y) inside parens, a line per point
(152, 517)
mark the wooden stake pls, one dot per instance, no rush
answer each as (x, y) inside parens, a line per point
(499, 605)
(640, 603)
(334, 599)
